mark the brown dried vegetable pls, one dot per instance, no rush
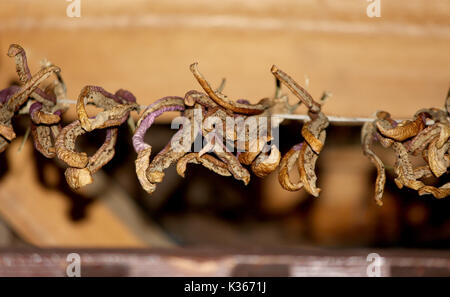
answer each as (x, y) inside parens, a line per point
(427, 134)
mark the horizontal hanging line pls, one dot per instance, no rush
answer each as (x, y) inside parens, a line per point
(338, 120)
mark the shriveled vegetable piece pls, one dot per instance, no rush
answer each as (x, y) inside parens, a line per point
(43, 140)
(403, 130)
(437, 158)
(266, 162)
(65, 146)
(116, 108)
(142, 162)
(80, 177)
(404, 170)
(367, 135)
(439, 193)
(223, 100)
(295, 88)
(287, 163)
(312, 129)
(306, 164)
(206, 160)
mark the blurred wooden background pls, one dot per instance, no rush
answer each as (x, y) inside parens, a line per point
(399, 62)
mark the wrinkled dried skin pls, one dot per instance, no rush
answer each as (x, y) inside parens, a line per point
(306, 164)
(43, 141)
(223, 100)
(207, 161)
(266, 163)
(287, 163)
(439, 193)
(312, 128)
(114, 114)
(77, 178)
(423, 172)
(165, 102)
(165, 158)
(80, 177)
(192, 97)
(296, 89)
(404, 170)
(65, 146)
(403, 130)
(7, 131)
(233, 165)
(21, 96)
(253, 149)
(105, 153)
(416, 145)
(39, 116)
(367, 135)
(142, 162)
(437, 158)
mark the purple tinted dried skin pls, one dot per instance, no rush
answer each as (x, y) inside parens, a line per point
(38, 116)
(142, 163)
(205, 160)
(223, 100)
(367, 136)
(288, 162)
(65, 146)
(117, 109)
(147, 118)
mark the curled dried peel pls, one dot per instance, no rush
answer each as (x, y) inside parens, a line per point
(223, 100)
(39, 116)
(142, 162)
(404, 170)
(43, 142)
(117, 109)
(437, 158)
(65, 146)
(403, 130)
(439, 193)
(234, 166)
(306, 164)
(367, 135)
(266, 162)
(78, 177)
(295, 88)
(312, 129)
(206, 160)
(287, 163)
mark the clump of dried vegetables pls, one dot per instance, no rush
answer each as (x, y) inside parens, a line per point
(427, 134)
(236, 137)
(258, 152)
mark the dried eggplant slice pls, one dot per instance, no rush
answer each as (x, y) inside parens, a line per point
(287, 163)
(206, 160)
(367, 135)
